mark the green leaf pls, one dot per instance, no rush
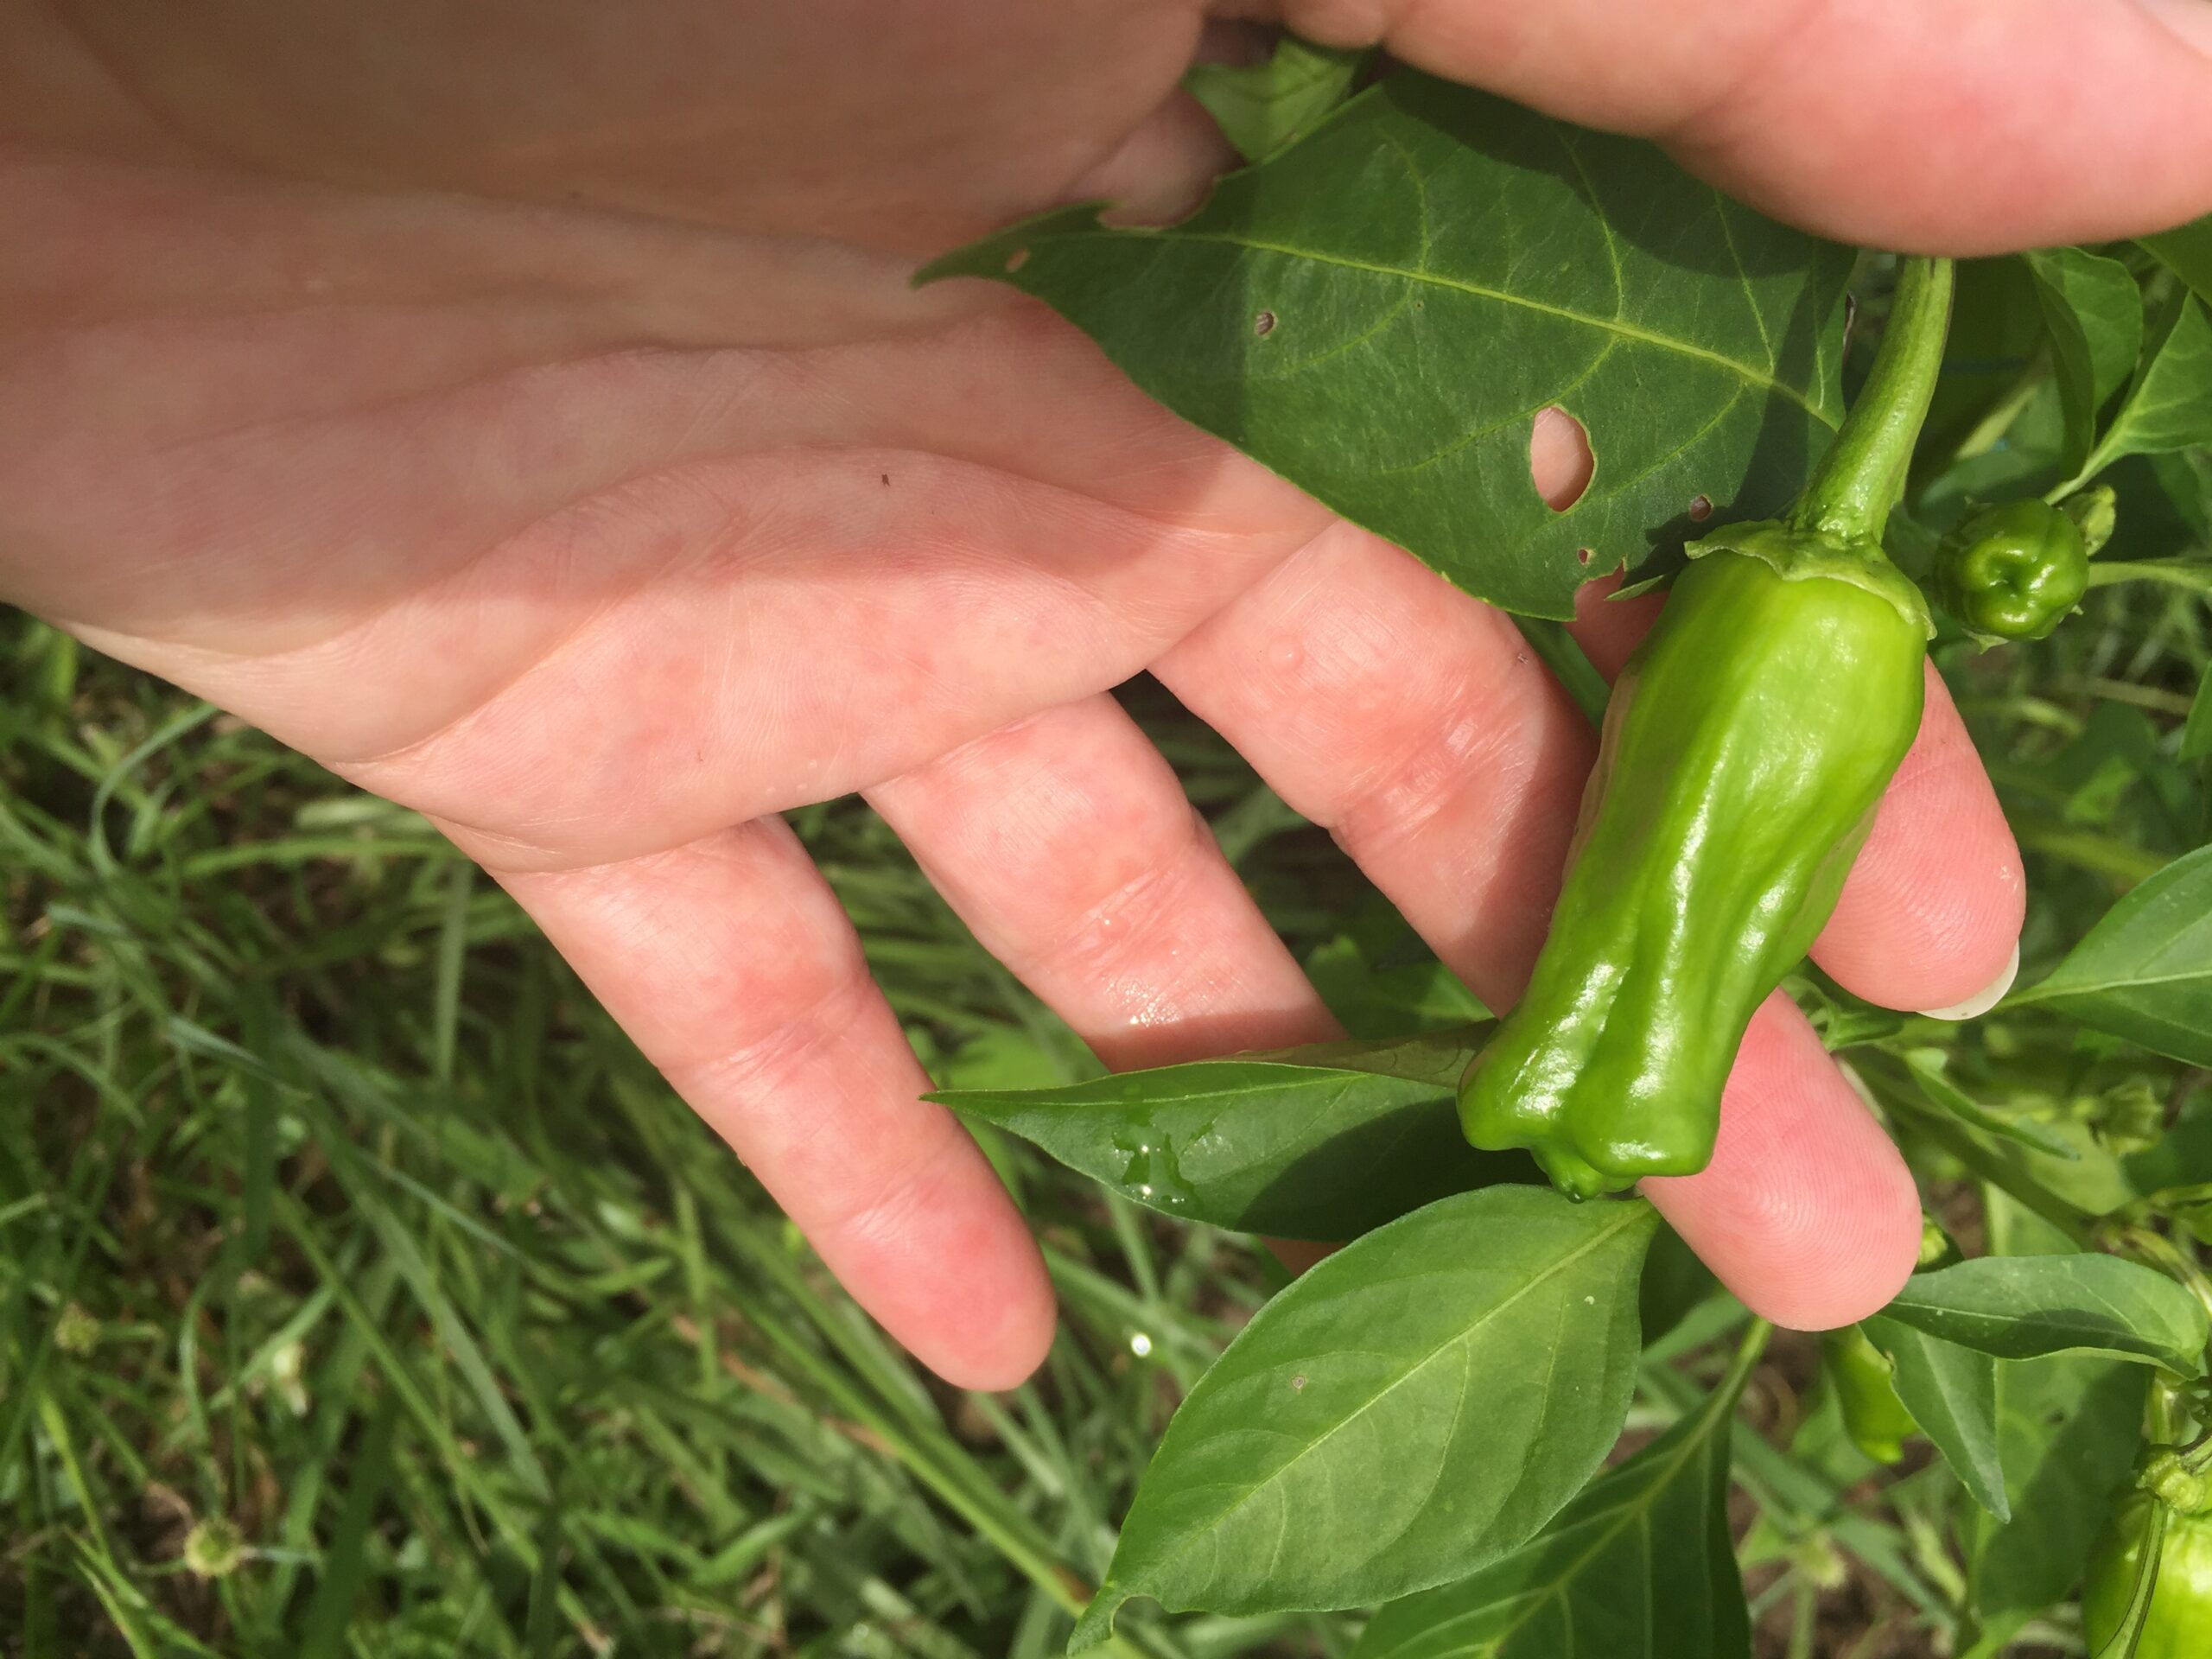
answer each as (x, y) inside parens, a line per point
(2169, 404)
(1380, 312)
(1413, 1408)
(1323, 1141)
(1260, 107)
(2093, 312)
(2023, 1306)
(2068, 1430)
(1641, 1563)
(2144, 971)
(2187, 251)
(1952, 1394)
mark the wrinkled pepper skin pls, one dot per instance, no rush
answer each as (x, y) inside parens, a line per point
(1866, 1391)
(2179, 1623)
(1744, 749)
(2012, 571)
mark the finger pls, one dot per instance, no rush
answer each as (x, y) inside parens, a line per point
(1403, 716)
(1807, 1212)
(1066, 843)
(1960, 126)
(735, 969)
(1416, 724)
(1930, 916)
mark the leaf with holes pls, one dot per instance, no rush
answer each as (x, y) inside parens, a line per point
(1416, 1406)
(1380, 311)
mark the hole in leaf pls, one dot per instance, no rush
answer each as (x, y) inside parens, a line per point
(1264, 324)
(1583, 554)
(1016, 260)
(1559, 459)
(1700, 508)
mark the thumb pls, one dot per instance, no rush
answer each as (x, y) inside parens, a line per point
(1941, 126)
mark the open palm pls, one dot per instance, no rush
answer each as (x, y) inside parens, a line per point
(522, 411)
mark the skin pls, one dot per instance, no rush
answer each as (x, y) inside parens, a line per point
(523, 413)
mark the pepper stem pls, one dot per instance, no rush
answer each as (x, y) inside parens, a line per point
(1862, 476)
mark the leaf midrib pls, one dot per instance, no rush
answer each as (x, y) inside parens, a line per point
(1756, 377)
(1634, 1218)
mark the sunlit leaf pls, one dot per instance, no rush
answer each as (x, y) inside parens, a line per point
(1380, 311)
(1418, 1404)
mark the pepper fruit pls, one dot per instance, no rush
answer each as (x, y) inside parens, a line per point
(1745, 748)
(2174, 1620)
(1863, 1381)
(2012, 571)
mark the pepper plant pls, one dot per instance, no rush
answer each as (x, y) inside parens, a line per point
(1429, 1423)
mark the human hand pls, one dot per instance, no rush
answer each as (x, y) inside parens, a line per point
(568, 460)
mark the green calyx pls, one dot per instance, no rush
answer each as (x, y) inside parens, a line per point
(1798, 554)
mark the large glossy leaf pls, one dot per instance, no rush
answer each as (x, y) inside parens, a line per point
(1417, 1405)
(2144, 971)
(2023, 1306)
(1641, 1563)
(2093, 312)
(1380, 311)
(2169, 404)
(2068, 1430)
(1952, 1394)
(1323, 1141)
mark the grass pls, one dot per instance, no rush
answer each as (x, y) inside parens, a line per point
(349, 1254)
(365, 1293)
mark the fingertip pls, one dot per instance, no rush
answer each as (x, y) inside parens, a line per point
(950, 1269)
(1806, 1211)
(1931, 913)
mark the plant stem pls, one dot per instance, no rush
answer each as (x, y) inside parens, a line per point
(2194, 574)
(1863, 475)
(2029, 1192)
(1556, 648)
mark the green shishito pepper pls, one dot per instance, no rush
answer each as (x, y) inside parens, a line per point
(1745, 747)
(2171, 1609)
(2012, 571)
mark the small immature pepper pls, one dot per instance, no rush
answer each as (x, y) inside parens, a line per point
(2012, 571)
(1866, 1390)
(1745, 747)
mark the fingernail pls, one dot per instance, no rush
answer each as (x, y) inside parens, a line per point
(2190, 19)
(1985, 999)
